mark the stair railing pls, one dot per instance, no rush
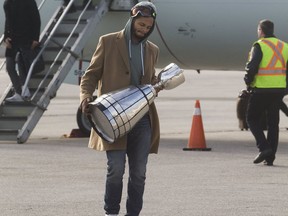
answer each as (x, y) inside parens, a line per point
(63, 47)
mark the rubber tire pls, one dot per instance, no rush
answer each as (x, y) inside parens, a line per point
(83, 123)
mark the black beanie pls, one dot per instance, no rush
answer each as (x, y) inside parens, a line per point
(267, 27)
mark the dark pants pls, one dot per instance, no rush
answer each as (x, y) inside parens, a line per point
(14, 57)
(138, 147)
(268, 103)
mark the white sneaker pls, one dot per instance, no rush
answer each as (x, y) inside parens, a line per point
(26, 93)
(15, 98)
(111, 214)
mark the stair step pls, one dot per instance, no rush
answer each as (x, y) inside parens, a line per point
(72, 21)
(67, 26)
(14, 110)
(65, 35)
(34, 83)
(12, 123)
(76, 14)
(49, 62)
(59, 41)
(51, 54)
(8, 135)
(41, 76)
(54, 49)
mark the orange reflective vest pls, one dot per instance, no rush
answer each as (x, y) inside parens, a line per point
(272, 68)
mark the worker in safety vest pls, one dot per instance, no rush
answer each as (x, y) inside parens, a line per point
(265, 77)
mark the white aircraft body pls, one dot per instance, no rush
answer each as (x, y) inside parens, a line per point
(195, 34)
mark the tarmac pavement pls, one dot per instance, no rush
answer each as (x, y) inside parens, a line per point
(55, 175)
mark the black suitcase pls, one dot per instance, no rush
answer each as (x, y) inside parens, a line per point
(242, 104)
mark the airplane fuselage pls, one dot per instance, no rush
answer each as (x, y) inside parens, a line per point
(196, 34)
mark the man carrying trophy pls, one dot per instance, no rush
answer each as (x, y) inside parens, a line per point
(122, 59)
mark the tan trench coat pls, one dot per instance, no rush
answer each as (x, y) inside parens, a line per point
(110, 69)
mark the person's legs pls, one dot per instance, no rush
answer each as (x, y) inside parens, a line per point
(273, 123)
(23, 66)
(14, 77)
(22, 76)
(24, 60)
(256, 107)
(139, 141)
(12, 72)
(114, 181)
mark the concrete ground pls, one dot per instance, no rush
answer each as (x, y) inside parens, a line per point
(55, 175)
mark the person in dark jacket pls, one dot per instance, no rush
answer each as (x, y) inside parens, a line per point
(266, 78)
(21, 34)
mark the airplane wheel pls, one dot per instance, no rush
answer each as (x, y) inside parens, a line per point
(83, 123)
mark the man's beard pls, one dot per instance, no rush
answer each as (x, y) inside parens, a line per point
(139, 38)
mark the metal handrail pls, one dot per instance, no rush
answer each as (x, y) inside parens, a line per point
(41, 4)
(3, 63)
(60, 52)
(1, 39)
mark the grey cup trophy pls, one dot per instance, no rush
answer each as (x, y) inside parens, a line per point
(114, 114)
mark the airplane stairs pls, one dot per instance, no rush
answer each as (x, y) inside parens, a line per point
(62, 40)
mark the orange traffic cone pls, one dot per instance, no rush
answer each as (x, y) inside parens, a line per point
(197, 138)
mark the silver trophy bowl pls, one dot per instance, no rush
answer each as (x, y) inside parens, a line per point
(114, 114)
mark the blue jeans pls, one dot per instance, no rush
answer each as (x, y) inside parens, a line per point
(138, 147)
